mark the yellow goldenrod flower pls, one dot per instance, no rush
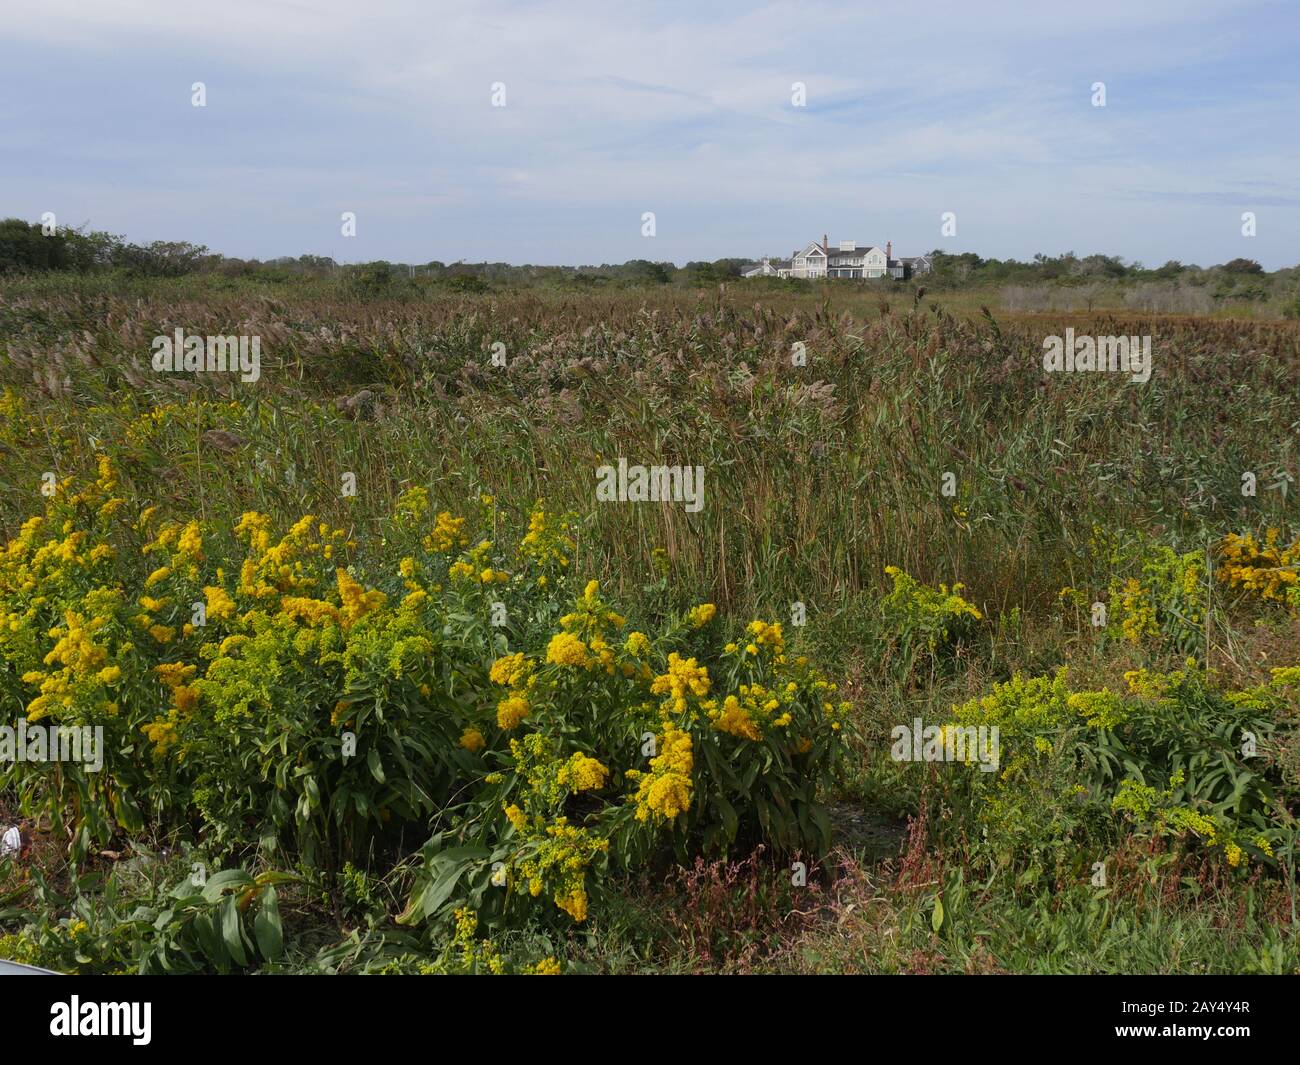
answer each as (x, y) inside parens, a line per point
(565, 649)
(511, 711)
(701, 615)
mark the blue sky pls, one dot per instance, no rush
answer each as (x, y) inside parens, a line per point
(684, 109)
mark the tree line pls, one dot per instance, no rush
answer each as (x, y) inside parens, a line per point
(29, 247)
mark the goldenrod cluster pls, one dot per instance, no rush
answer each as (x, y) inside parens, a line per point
(235, 681)
(1268, 570)
(547, 542)
(665, 791)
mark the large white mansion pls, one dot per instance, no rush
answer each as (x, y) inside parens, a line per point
(847, 259)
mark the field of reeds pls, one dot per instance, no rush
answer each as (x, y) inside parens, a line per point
(904, 517)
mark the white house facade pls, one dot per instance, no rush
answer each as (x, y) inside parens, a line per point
(766, 268)
(847, 259)
(809, 263)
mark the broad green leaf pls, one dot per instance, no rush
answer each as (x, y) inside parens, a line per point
(223, 881)
(266, 927)
(232, 932)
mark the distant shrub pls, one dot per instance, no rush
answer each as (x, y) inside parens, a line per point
(465, 283)
(24, 247)
(160, 259)
(371, 280)
(1184, 297)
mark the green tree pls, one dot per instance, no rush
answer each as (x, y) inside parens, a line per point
(24, 247)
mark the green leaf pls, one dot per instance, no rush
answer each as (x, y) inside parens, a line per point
(127, 812)
(727, 813)
(222, 881)
(267, 928)
(451, 865)
(936, 918)
(209, 942)
(823, 823)
(277, 876)
(376, 766)
(232, 933)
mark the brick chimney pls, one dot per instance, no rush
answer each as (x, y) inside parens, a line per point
(889, 249)
(826, 244)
